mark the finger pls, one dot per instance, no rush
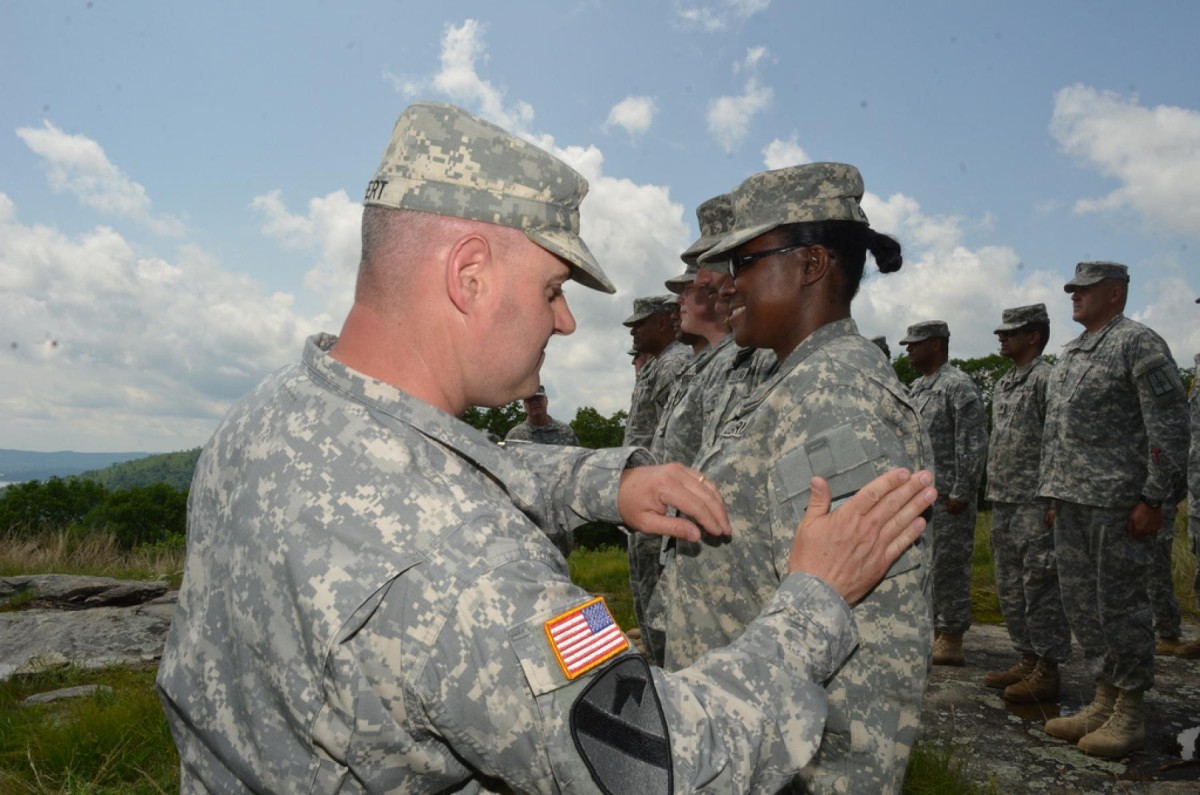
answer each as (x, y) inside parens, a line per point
(674, 526)
(904, 504)
(819, 499)
(704, 502)
(905, 539)
(869, 496)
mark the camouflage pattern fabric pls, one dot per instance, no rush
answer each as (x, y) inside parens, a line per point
(651, 394)
(553, 432)
(727, 381)
(1107, 605)
(364, 605)
(952, 412)
(1116, 425)
(1027, 580)
(834, 408)
(1022, 544)
(1168, 620)
(680, 429)
(1193, 477)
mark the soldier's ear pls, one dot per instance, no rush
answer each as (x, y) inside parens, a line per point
(468, 266)
(817, 260)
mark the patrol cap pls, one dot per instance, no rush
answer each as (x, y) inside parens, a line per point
(926, 330)
(715, 217)
(537, 393)
(798, 194)
(1022, 316)
(1089, 273)
(881, 343)
(676, 283)
(645, 307)
(444, 160)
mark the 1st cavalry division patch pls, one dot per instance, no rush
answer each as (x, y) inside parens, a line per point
(584, 637)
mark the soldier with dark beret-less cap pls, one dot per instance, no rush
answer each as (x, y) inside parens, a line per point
(1022, 544)
(1115, 450)
(371, 601)
(828, 405)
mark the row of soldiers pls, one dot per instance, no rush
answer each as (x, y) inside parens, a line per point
(1086, 465)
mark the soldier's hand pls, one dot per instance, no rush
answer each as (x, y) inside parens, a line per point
(646, 493)
(955, 507)
(853, 547)
(1143, 521)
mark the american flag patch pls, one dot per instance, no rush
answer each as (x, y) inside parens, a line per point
(584, 637)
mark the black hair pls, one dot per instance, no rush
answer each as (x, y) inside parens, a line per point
(1044, 330)
(849, 241)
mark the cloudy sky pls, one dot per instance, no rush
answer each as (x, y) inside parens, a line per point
(180, 182)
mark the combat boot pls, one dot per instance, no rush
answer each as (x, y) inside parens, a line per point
(1123, 732)
(1041, 685)
(1167, 646)
(948, 650)
(1020, 669)
(1189, 650)
(1088, 719)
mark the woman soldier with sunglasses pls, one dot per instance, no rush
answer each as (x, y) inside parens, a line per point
(832, 407)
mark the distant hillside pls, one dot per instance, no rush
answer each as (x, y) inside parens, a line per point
(20, 465)
(174, 469)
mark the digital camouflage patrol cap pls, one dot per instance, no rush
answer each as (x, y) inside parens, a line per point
(926, 330)
(645, 307)
(794, 195)
(1022, 316)
(881, 344)
(1089, 273)
(676, 283)
(715, 218)
(444, 160)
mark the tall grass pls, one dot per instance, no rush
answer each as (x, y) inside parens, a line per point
(76, 550)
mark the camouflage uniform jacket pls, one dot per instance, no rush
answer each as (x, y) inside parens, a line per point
(1015, 449)
(680, 429)
(953, 415)
(1193, 472)
(732, 376)
(1116, 423)
(365, 601)
(834, 408)
(651, 391)
(553, 432)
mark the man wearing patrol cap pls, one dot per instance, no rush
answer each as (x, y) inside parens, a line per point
(539, 426)
(1115, 450)
(370, 602)
(1191, 649)
(653, 333)
(953, 414)
(881, 344)
(1022, 543)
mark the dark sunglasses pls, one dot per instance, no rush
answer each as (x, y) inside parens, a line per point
(739, 264)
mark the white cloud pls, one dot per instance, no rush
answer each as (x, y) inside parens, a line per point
(729, 117)
(462, 48)
(716, 17)
(633, 114)
(781, 154)
(77, 164)
(1154, 153)
(104, 348)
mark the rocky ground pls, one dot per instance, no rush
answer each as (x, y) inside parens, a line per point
(95, 621)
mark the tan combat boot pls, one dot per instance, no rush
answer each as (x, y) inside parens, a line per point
(1041, 685)
(1167, 646)
(1189, 650)
(1123, 732)
(1020, 669)
(1088, 719)
(948, 650)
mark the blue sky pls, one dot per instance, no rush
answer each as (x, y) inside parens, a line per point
(180, 182)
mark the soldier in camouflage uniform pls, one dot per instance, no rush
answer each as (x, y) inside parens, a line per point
(1191, 649)
(881, 343)
(1115, 450)
(831, 407)
(952, 413)
(1022, 543)
(653, 334)
(1160, 583)
(539, 426)
(369, 602)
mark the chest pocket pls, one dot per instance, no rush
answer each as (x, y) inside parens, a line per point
(846, 461)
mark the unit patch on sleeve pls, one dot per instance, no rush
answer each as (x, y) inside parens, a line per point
(584, 637)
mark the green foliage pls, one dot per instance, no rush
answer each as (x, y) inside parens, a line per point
(985, 371)
(904, 370)
(498, 420)
(597, 535)
(143, 514)
(937, 770)
(174, 469)
(597, 431)
(106, 743)
(605, 571)
(985, 603)
(57, 502)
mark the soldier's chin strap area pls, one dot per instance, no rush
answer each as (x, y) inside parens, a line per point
(620, 730)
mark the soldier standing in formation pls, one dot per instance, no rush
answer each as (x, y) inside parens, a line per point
(953, 415)
(831, 407)
(370, 602)
(1022, 543)
(539, 426)
(1115, 451)
(1191, 649)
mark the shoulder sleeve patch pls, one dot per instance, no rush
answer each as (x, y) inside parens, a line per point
(1159, 376)
(584, 637)
(621, 733)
